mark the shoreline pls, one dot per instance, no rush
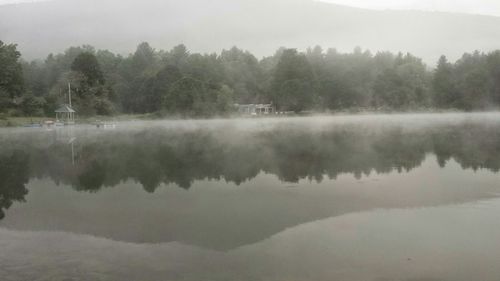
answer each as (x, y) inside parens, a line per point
(17, 122)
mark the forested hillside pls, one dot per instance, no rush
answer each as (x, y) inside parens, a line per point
(178, 82)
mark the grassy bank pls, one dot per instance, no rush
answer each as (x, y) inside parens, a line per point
(25, 121)
(20, 121)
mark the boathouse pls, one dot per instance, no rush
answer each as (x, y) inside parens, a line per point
(256, 109)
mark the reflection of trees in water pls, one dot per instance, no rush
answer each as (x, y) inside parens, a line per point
(14, 174)
(156, 156)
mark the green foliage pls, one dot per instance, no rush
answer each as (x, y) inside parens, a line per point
(243, 74)
(33, 106)
(11, 76)
(404, 85)
(225, 99)
(184, 95)
(474, 81)
(87, 64)
(92, 95)
(178, 82)
(443, 85)
(293, 82)
(144, 57)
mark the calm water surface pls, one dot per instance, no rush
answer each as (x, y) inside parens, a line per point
(388, 197)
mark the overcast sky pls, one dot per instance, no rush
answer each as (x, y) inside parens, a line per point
(16, 1)
(13, 1)
(485, 7)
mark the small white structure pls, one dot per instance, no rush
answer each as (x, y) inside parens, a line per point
(105, 125)
(256, 109)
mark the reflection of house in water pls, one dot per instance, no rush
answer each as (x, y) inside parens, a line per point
(66, 136)
(255, 109)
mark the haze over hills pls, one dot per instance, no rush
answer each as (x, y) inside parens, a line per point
(41, 28)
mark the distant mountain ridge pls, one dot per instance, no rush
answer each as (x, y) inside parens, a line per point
(259, 26)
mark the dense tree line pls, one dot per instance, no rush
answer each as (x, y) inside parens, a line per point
(177, 82)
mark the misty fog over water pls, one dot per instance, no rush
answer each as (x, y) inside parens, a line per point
(365, 197)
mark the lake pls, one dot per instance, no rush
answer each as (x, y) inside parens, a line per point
(368, 197)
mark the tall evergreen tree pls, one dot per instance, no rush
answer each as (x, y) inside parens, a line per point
(443, 85)
(87, 64)
(293, 82)
(11, 75)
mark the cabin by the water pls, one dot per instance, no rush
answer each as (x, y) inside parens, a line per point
(256, 109)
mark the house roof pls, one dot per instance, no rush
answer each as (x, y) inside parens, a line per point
(255, 105)
(65, 109)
